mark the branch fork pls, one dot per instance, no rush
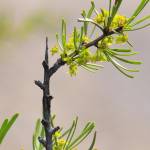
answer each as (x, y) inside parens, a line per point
(48, 72)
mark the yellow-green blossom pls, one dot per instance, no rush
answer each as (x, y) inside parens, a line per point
(70, 44)
(54, 50)
(99, 19)
(121, 39)
(57, 134)
(85, 39)
(73, 69)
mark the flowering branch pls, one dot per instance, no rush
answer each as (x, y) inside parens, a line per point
(75, 52)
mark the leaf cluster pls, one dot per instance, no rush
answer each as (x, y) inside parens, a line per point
(65, 139)
(110, 30)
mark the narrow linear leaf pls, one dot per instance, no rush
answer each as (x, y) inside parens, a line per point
(95, 65)
(88, 68)
(69, 133)
(81, 36)
(93, 30)
(118, 68)
(91, 21)
(91, 9)
(60, 45)
(85, 23)
(93, 142)
(73, 132)
(75, 38)
(134, 29)
(118, 54)
(115, 9)
(82, 136)
(33, 142)
(3, 126)
(141, 20)
(122, 67)
(63, 33)
(125, 60)
(121, 50)
(42, 135)
(9, 125)
(138, 10)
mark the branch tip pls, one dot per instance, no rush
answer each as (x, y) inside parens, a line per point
(45, 122)
(45, 65)
(52, 131)
(42, 141)
(39, 84)
(46, 51)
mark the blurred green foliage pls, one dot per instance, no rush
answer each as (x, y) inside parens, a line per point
(37, 21)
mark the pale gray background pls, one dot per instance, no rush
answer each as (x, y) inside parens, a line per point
(119, 106)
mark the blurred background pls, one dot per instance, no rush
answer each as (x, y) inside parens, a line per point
(119, 106)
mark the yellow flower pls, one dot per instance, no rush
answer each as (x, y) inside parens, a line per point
(54, 50)
(61, 142)
(85, 39)
(121, 39)
(73, 69)
(57, 134)
(99, 19)
(122, 20)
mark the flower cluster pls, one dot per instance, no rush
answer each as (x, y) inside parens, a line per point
(118, 20)
(114, 26)
(65, 140)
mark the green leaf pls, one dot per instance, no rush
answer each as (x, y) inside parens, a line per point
(141, 20)
(36, 134)
(75, 38)
(114, 11)
(73, 132)
(4, 124)
(118, 68)
(41, 135)
(126, 61)
(63, 33)
(121, 50)
(88, 68)
(60, 45)
(65, 133)
(85, 23)
(138, 10)
(33, 142)
(81, 36)
(69, 134)
(91, 9)
(94, 65)
(8, 125)
(52, 120)
(93, 142)
(93, 30)
(134, 29)
(118, 54)
(85, 132)
(122, 67)
(110, 5)
(91, 21)
(88, 15)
